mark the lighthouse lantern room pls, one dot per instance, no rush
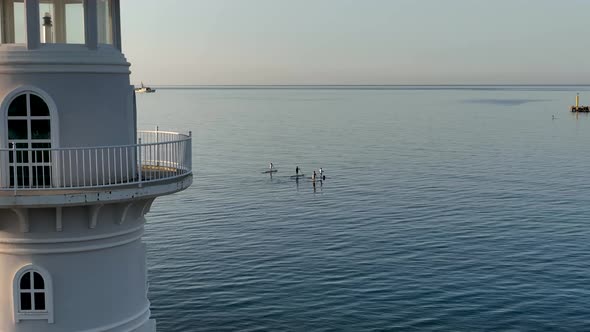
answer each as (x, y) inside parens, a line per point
(76, 176)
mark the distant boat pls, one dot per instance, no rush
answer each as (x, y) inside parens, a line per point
(144, 89)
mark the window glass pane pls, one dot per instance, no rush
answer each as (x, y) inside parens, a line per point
(19, 33)
(25, 301)
(105, 22)
(40, 129)
(17, 129)
(40, 301)
(11, 172)
(25, 281)
(47, 12)
(22, 175)
(75, 22)
(18, 107)
(38, 283)
(42, 176)
(62, 22)
(13, 21)
(22, 154)
(41, 146)
(38, 106)
(42, 156)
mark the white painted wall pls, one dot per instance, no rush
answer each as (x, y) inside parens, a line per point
(99, 275)
(93, 109)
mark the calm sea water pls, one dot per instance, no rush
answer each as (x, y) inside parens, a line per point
(444, 208)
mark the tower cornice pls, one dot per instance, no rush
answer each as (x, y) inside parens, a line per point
(62, 58)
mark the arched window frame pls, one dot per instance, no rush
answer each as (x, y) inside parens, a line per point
(4, 143)
(23, 315)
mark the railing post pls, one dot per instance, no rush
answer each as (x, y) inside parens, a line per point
(190, 151)
(14, 172)
(139, 161)
(157, 148)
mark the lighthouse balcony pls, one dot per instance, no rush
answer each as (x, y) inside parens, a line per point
(158, 164)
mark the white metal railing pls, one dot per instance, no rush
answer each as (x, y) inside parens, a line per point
(157, 156)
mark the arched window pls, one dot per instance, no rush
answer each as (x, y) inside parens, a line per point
(29, 128)
(33, 295)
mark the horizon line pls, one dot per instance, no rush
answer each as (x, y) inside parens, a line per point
(563, 87)
(368, 85)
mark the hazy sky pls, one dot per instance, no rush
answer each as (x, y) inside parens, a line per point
(357, 41)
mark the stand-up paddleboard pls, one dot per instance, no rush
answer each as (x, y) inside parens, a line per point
(297, 176)
(318, 178)
(272, 171)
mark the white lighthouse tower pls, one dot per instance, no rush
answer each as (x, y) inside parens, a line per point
(76, 177)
